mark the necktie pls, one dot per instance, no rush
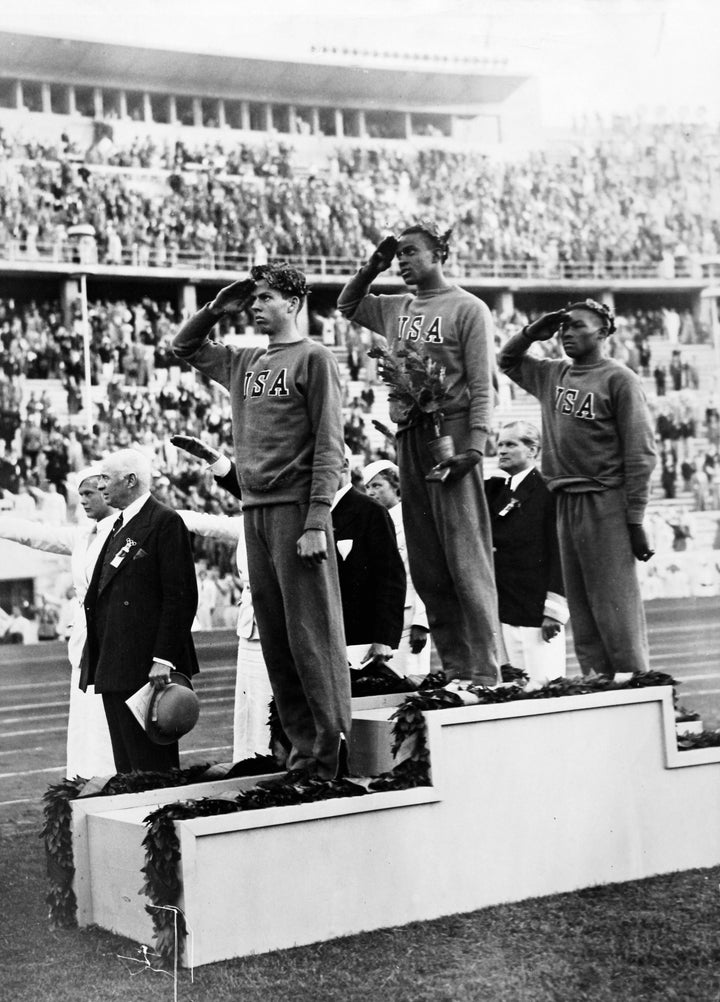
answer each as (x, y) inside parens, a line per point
(111, 546)
(109, 549)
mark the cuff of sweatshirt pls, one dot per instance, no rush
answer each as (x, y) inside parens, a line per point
(556, 607)
(635, 516)
(318, 516)
(194, 332)
(478, 440)
(221, 467)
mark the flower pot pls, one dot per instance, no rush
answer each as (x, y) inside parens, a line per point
(441, 448)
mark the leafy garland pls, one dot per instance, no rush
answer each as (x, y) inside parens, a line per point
(61, 901)
(705, 739)
(57, 812)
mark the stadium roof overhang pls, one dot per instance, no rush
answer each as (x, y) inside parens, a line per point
(317, 82)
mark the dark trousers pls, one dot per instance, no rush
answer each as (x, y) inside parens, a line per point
(299, 616)
(449, 545)
(601, 583)
(132, 748)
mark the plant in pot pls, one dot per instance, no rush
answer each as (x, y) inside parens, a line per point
(418, 393)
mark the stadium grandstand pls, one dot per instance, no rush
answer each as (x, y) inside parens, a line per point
(137, 181)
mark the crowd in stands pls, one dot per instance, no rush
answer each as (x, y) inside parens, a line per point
(640, 193)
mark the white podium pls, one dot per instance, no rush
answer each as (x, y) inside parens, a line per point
(528, 798)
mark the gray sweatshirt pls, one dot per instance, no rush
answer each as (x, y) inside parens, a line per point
(286, 413)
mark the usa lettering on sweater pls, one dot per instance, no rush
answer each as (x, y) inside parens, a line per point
(411, 329)
(255, 384)
(567, 401)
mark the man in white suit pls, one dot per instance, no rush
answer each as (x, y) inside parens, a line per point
(88, 741)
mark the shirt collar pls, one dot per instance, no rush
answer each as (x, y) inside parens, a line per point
(517, 478)
(104, 525)
(133, 508)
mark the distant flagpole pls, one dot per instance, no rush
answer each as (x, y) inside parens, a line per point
(82, 236)
(87, 388)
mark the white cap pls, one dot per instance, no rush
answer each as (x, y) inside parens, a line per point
(379, 466)
(89, 471)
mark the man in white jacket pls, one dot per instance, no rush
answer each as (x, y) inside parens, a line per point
(88, 741)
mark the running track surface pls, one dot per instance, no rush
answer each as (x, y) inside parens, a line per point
(684, 641)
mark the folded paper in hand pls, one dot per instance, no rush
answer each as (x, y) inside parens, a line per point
(138, 703)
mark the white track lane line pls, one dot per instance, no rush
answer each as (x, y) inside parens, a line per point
(7, 721)
(209, 673)
(32, 772)
(202, 691)
(41, 730)
(61, 768)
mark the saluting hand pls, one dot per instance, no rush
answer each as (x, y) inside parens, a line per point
(545, 326)
(233, 297)
(382, 257)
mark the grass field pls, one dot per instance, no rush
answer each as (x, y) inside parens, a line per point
(651, 940)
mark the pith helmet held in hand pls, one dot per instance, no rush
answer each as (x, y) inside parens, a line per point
(172, 711)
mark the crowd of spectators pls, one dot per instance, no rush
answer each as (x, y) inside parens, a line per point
(640, 193)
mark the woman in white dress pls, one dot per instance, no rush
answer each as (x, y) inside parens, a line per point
(88, 742)
(412, 657)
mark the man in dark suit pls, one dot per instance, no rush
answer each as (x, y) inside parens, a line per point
(139, 606)
(372, 574)
(370, 568)
(531, 596)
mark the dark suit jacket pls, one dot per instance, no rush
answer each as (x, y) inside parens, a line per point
(145, 607)
(372, 576)
(527, 557)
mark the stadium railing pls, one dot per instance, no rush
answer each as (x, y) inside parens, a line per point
(144, 256)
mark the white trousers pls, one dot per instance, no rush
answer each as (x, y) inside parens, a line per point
(404, 662)
(89, 752)
(526, 649)
(251, 731)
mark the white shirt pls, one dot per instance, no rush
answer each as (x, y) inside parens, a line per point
(517, 478)
(133, 509)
